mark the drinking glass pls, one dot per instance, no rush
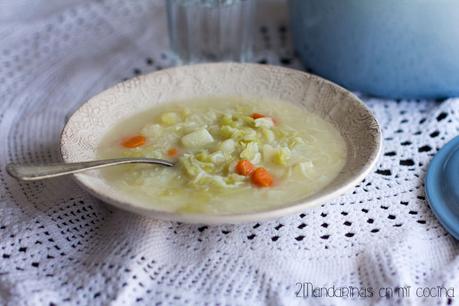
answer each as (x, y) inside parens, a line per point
(211, 30)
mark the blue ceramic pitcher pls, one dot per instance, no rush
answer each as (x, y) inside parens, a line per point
(389, 48)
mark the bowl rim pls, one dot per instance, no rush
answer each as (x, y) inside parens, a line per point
(234, 218)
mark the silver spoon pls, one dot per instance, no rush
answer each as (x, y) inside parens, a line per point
(39, 172)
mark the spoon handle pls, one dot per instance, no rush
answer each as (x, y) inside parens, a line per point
(39, 172)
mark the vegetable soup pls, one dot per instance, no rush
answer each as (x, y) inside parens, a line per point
(232, 155)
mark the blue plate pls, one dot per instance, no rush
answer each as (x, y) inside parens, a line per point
(442, 186)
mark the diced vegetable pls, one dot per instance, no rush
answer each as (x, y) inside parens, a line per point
(257, 115)
(251, 153)
(217, 157)
(234, 178)
(227, 131)
(262, 178)
(228, 146)
(197, 139)
(268, 135)
(226, 120)
(134, 141)
(282, 156)
(247, 120)
(244, 167)
(203, 156)
(172, 152)
(170, 118)
(264, 122)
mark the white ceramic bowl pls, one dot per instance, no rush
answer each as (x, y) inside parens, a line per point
(95, 118)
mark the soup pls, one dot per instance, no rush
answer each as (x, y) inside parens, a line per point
(232, 155)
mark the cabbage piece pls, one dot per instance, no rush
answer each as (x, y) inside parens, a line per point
(217, 157)
(304, 168)
(190, 165)
(234, 178)
(231, 121)
(256, 159)
(228, 146)
(213, 130)
(264, 122)
(189, 127)
(196, 118)
(170, 118)
(281, 134)
(251, 153)
(268, 135)
(216, 181)
(203, 156)
(195, 167)
(227, 131)
(242, 118)
(245, 134)
(282, 156)
(226, 120)
(152, 130)
(196, 139)
(294, 141)
(268, 152)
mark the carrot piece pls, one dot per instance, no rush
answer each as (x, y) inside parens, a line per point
(244, 167)
(134, 141)
(262, 178)
(257, 115)
(172, 152)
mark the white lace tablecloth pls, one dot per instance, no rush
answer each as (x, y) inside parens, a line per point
(60, 246)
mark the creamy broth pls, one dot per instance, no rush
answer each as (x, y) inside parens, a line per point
(220, 145)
